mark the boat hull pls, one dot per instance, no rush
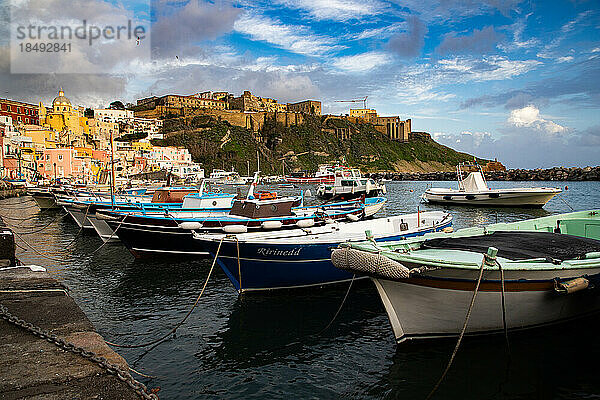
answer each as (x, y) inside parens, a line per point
(436, 308)
(269, 266)
(103, 230)
(494, 198)
(310, 180)
(80, 216)
(45, 201)
(149, 239)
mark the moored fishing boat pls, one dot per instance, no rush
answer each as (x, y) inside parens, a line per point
(549, 268)
(473, 190)
(325, 174)
(192, 200)
(301, 257)
(350, 184)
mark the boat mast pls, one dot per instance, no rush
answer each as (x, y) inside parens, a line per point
(112, 167)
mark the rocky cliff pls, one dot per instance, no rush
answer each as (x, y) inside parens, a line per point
(318, 139)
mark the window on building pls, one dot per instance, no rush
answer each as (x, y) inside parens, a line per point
(47, 156)
(17, 109)
(60, 157)
(7, 108)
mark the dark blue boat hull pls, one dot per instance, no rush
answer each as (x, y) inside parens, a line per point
(267, 266)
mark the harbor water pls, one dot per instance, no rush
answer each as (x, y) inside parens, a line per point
(275, 345)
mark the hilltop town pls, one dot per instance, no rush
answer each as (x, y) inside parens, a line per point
(170, 133)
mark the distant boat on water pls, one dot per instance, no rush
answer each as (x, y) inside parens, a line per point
(473, 190)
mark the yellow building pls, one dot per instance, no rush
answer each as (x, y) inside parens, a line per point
(306, 106)
(365, 113)
(63, 118)
(41, 136)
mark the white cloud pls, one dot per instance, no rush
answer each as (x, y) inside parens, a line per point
(564, 59)
(337, 10)
(362, 62)
(488, 68)
(564, 32)
(530, 117)
(294, 38)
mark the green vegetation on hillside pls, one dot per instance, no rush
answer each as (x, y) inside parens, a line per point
(217, 144)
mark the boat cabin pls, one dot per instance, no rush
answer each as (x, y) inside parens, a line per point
(262, 208)
(172, 194)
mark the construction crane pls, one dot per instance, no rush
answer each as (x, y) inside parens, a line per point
(363, 100)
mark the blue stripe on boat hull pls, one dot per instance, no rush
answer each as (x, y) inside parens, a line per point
(266, 266)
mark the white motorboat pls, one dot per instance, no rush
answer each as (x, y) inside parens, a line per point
(350, 184)
(226, 177)
(473, 190)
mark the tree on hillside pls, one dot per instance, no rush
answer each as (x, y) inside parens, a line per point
(116, 105)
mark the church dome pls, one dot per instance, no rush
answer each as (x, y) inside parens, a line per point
(61, 100)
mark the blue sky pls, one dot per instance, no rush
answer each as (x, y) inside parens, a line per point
(516, 80)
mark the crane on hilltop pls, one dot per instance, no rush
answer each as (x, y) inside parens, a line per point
(361, 100)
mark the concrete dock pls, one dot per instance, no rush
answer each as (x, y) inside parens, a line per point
(33, 367)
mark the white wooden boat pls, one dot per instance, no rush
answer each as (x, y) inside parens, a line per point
(551, 274)
(473, 190)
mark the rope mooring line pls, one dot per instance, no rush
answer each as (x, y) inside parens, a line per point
(340, 307)
(174, 329)
(45, 226)
(504, 325)
(37, 251)
(462, 332)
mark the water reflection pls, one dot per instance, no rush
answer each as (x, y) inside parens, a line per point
(264, 345)
(265, 328)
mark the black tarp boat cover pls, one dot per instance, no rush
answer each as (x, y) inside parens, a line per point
(519, 245)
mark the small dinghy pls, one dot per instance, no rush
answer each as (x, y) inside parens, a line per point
(473, 190)
(547, 269)
(301, 257)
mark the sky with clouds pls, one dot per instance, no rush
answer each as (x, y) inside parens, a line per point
(513, 80)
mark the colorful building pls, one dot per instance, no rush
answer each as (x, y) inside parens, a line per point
(19, 112)
(306, 106)
(65, 119)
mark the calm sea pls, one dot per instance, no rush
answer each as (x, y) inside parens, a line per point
(267, 346)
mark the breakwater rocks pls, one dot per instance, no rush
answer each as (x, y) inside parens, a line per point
(550, 174)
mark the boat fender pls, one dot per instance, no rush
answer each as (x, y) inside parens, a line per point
(384, 190)
(369, 186)
(353, 217)
(372, 264)
(271, 224)
(235, 229)
(448, 229)
(571, 286)
(305, 223)
(190, 225)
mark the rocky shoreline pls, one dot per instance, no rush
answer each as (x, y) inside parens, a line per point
(550, 174)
